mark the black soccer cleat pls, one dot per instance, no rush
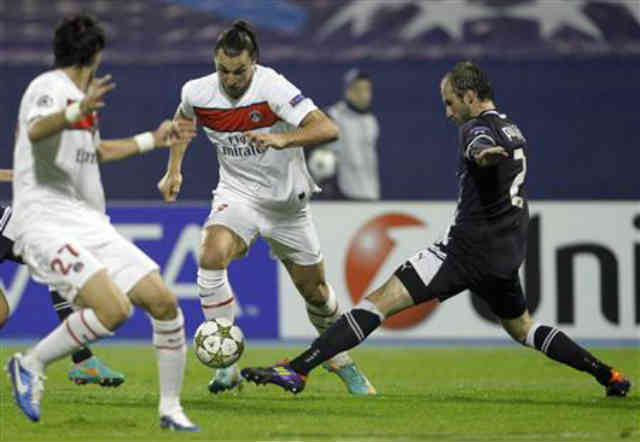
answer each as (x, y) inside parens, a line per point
(281, 375)
(618, 385)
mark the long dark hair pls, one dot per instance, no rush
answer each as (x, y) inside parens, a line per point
(239, 37)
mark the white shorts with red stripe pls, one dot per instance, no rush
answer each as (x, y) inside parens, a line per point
(65, 255)
(291, 236)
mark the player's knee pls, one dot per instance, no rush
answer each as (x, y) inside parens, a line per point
(115, 314)
(164, 306)
(214, 258)
(314, 292)
(518, 329)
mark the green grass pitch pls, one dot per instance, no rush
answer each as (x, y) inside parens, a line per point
(424, 393)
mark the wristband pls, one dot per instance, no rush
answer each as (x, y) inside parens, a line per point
(72, 112)
(145, 141)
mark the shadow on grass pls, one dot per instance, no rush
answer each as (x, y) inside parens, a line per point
(614, 403)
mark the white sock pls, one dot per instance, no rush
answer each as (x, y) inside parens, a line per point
(171, 350)
(79, 329)
(323, 316)
(216, 296)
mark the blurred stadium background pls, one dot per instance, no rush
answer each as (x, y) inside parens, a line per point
(565, 70)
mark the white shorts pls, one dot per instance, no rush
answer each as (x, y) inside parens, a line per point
(291, 236)
(66, 255)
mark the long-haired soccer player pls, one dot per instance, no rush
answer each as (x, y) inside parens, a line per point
(258, 122)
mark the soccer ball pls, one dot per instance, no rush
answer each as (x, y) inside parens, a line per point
(218, 343)
(322, 164)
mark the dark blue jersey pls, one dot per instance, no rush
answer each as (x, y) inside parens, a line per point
(490, 228)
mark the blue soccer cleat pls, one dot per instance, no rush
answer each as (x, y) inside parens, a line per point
(27, 387)
(94, 371)
(353, 378)
(280, 374)
(178, 421)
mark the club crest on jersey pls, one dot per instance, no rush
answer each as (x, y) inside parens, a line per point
(480, 130)
(44, 101)
(255, 116)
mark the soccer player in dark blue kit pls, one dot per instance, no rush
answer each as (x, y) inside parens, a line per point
(481, 251)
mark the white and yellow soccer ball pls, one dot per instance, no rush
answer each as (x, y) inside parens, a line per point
(218, 343)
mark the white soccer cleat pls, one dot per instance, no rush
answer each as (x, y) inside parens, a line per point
(226, 379)
(178, 421)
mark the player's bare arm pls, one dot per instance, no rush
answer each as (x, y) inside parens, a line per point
(169, 185)
(6, 175)
(4, 308)
(167, 133)
(52, 124)
(315, 128)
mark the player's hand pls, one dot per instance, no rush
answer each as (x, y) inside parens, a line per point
(169, 186)
(491, 156)
(6, 175)
(174, 132)
(94, 99)
(264, 139)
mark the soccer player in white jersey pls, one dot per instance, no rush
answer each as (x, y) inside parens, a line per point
(257, 121)
(61, 230)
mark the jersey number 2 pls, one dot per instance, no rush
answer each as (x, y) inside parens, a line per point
(517, 200)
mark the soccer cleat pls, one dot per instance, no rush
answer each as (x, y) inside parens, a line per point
(280, 374)
(618, 385)
(226, 379)
(356, 382)
(27, 387)
(178, 421)
(93, 371)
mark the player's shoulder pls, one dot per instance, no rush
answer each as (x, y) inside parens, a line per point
(267, 73)
(45, 80)
(201, 88)
(505, 127)
(270, 80)
(194, 84)
(476, 126)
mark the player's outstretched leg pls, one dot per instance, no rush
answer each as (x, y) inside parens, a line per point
(27, 371)
(560, 347)
(86, 368)
(217, 301)
(323, 311)
(322, 316)
(348, 331)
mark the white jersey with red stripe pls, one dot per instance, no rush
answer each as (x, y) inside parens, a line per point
(276, 179)
(58, 174)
